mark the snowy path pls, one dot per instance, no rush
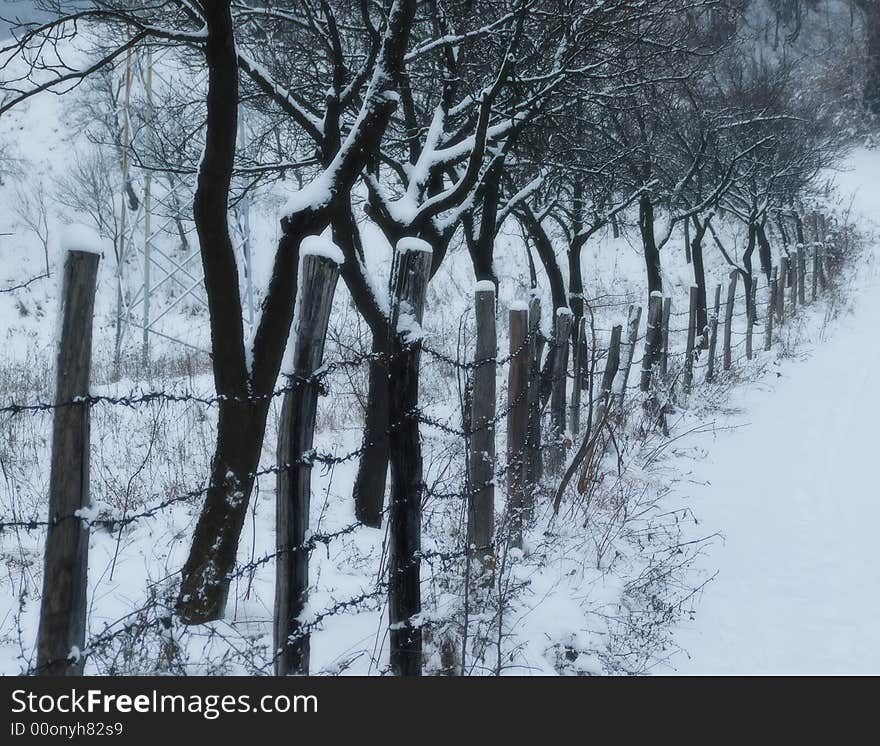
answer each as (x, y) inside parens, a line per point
(796, 495)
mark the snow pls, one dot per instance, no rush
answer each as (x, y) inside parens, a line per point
(792, 490)
(519, 305)
(484, 286)
(79, 237)
(323, 247)
(409, 243)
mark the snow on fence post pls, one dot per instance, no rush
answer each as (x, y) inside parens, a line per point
(771, 300)
(62, 625)
(535, 466)
(481, 493)
(410, 284)
(751, 314)
(627, 353)
(319, 272)
(713, 335)
(691, 338)
(653, 338)
(728, 319)
(580, 348)
(664, 355)
(801, 274)
(561, 334)
(518, 494)
(781, 284)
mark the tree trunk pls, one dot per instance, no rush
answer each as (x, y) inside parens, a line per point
(700, 279)
(649, 244)
(764, 250)
(372, 475)
(871, 9)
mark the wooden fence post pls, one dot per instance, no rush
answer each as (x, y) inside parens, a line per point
(481, 493)
(664, 357)
(580, 355)
(781, 284)
(561, 335)
(771, 300)
(62, 627)
(802, 274)
(793, 280)
(518, 495)
(814, 279)
(535, 468)
(691, 339)
(713, 336)
(751, 314)
(728, 319)
(627, 353)
(319, 272)
(653, 339)
(410, 284)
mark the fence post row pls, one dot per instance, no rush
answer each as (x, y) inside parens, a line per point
(518, 495)
(319, 272)
(62, 626)
(412, 270)
(481, 492)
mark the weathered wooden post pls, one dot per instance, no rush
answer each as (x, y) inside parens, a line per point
(62, 627)
(781, 284)
(612, 362)
(691, 339)
(751, 312)
(728, 319)
(580, 355)
(793, 280)
(319, 272)
(653, 339)
(518, 495)
(802, 274)
(481, 494)
(561, 335)
(771, 300)
(814, 278)
(627, 353)
(713, 335)
(535, 469)
(410, 283)
(664, 357)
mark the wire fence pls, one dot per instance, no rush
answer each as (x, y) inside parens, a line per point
(545, 378)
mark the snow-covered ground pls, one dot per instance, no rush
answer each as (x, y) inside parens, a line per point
(793, 492)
